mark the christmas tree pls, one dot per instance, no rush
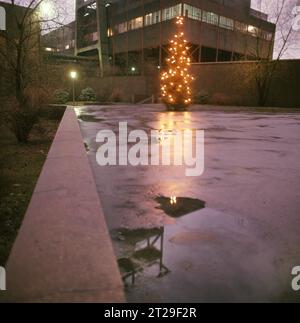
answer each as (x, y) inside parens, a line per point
(176, 80)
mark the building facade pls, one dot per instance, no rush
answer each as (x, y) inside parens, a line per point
(61, 40)
(132, 35)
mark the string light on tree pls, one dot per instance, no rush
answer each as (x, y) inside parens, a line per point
(176, 80)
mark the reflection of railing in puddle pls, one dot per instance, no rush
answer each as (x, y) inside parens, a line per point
(144, 249)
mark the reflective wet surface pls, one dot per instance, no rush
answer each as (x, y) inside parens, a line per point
(232, 234)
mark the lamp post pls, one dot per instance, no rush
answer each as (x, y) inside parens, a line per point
(73, 75)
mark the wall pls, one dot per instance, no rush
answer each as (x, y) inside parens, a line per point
(63, 252)
(230, 83)
(234, 83)
(122, 87)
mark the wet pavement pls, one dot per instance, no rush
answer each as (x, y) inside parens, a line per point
(235, 235)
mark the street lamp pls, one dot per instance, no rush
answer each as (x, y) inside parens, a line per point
(73, 75)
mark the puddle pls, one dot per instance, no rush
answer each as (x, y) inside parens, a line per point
(177, 207)
(201, 254)
(180, 261)
(138, 250)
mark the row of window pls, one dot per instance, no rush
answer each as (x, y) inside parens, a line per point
(224, 22)
(192, 13)
(67, 46)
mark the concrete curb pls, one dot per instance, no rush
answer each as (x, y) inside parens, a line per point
(63, 252)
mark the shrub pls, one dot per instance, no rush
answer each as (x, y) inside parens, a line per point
(21, 118)
(116, 96)
(61, 97)
(202, 97)
(88, 94)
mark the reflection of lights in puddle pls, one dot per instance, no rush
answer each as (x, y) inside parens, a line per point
(165, 135)
(176, 207)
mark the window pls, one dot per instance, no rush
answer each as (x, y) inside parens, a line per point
(192, 12)
(152, 18)
(226, 23)
(266, 35)
(121, 28)
(135, 23)
(253, 31)
(49, 49)
(172, 12)
(95, 36)
(239, 26)
(210, 18)
(87, 24)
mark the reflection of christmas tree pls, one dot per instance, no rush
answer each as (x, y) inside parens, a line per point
(176, 81)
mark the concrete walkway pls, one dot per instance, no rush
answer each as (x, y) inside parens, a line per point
(63, 252)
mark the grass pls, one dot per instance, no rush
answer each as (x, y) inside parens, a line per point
(20, 166)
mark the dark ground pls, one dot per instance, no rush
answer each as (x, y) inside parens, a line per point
(20, 166)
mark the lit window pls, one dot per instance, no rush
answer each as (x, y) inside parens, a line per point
(253, 31)
(226, 23)
(239, 26)
(135, 23)
(152, 18)
(267, 35)
(94, 36)
(210, 18)
(192, 12)
(172, 12)
(121, 28)
(67, 47)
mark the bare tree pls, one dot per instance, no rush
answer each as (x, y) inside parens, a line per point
(25, 82)
(266, 66)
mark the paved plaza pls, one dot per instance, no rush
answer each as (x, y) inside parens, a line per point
(244, 242)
